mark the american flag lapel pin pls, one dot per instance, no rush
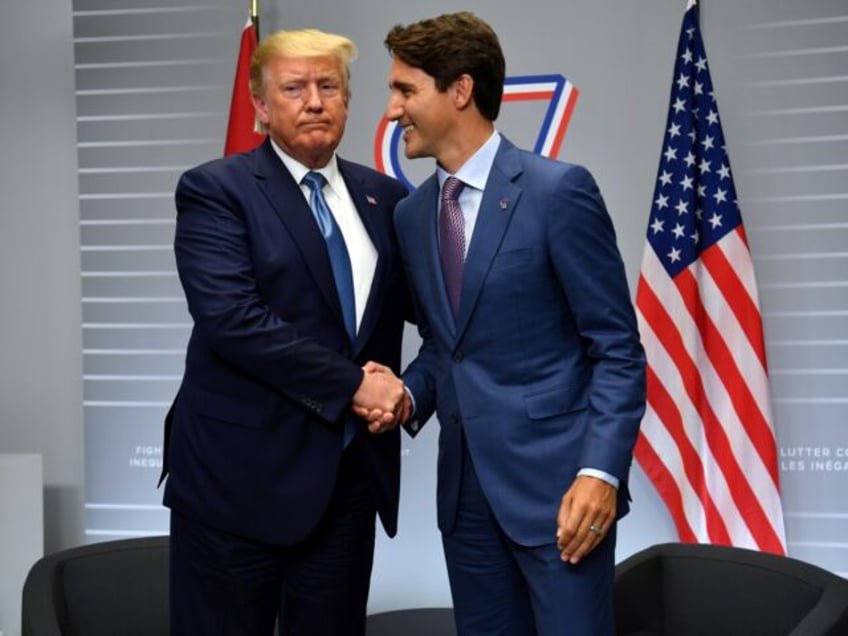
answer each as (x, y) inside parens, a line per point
(371, 200)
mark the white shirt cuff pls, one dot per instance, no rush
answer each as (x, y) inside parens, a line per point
(594, 472)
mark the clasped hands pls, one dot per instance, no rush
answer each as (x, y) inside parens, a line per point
(381, 399)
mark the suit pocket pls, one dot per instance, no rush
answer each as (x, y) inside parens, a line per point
(231, 410)
(556, 401)
(513, 258)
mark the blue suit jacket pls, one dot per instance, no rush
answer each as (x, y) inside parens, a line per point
(543, 368)
(254, 437)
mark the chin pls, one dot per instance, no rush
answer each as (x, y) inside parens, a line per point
(413, 153)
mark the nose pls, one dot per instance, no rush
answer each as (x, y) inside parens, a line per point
(312, 97)
(394, 109)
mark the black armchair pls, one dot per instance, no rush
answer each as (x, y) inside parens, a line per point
(101, 589)
(120, 588)
(422, 621)
(693, 589)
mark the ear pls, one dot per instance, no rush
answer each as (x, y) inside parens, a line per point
(463, 87)
(261, 108)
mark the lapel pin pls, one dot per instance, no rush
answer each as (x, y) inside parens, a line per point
(504, 203)
(370, 199)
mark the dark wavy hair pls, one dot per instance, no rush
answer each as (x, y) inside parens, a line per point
(449, 45)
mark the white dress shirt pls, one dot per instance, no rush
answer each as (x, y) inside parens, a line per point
(360, 248)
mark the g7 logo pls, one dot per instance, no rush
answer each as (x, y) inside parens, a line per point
(560, 94)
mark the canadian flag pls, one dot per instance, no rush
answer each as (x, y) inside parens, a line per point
(240, 134)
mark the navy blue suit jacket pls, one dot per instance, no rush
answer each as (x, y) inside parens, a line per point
(543, 369)
(254, 437)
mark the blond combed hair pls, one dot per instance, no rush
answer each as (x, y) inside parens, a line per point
(299, 43)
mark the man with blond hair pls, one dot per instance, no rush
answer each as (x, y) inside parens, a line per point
(289, 265)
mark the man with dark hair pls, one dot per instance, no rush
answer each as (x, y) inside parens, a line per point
(530, 355)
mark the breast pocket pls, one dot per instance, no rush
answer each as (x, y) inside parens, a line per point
(513, 258)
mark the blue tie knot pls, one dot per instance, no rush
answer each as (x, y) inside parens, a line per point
(315, 180)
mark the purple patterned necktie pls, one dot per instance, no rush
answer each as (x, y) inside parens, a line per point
(452, 240)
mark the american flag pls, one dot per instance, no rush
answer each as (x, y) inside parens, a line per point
(706, 441)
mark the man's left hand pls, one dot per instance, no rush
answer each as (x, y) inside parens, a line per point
(586, 515)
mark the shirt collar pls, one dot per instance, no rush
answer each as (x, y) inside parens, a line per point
(475, 171)
(298, 170)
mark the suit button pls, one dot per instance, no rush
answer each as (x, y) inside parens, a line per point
(457, 357)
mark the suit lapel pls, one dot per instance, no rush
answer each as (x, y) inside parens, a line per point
(286, 199)
(499, 200)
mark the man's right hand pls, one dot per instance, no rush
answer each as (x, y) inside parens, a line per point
(381, 399)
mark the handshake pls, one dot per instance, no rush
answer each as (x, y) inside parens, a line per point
(381, 399)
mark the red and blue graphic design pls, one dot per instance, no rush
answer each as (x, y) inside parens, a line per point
(560, 94)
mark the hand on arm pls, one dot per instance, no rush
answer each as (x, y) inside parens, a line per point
(585, 515)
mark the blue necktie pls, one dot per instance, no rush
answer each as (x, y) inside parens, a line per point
(452, 240)
(339, 258)
(340, 263)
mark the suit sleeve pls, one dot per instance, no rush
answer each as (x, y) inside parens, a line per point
(590, 270)
(420, 376)
(212, 248)
(420, 379)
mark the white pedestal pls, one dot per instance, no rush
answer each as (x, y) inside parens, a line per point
(21, 531)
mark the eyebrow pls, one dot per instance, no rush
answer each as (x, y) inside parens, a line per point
(400, 84)
(301, 77)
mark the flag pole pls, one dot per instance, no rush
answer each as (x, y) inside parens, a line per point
(241, 135)
(254, 15)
